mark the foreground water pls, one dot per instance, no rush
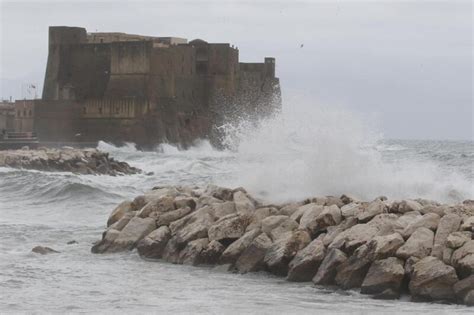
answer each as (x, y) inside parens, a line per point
(51, 209)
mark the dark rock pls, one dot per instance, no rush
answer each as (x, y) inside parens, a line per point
(282, 251)
(328, 268)
(191, 254)
(431, 279)
(153, 245)
(252, 257)
(43, 250)
(462, 287)
(383, 275)
(232, 253)
(306, 262)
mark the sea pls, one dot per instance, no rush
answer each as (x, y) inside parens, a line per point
(288, 157)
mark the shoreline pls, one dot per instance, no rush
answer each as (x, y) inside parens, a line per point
(385, 248)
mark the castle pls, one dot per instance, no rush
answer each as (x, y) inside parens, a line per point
(121, 87)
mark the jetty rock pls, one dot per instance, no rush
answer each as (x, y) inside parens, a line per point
(386, 249)
(66, 159)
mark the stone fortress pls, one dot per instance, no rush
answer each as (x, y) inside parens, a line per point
(121, 87)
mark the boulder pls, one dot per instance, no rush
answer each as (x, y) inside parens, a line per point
(204, 215)
(308, 218)
(191, 254)
(260, 214)
(328, 268)
(406, 219)
(429, 221)
(43, 250)
(282, 251)
(206, 200)
(221, 193)
(231, 253)
(386, 245)
(123, 221)
(211, 254)
(298, 213)
(354, 237)
(153, 245)
(171, 251)
(351, 273)
(331, 215)
(385, 274)
(418, 245)
(447, 254)
(333, 231)
(252, 257)
(333, 201)
(159, 205)
(351, 210)
(119, 211)
(230, 227)
(458, 239)
(408, 205)
(447, 224)
(276, 225)
(431, 279)
(469, 298)
(222, 209)
(463, 259)
(171, 216)
(462, 287)
(433, 208)
(468, 224)
(185, 201)
(107, 240)
(374, 208)
(409, 263)
(290, 208)
(243, 204)
(306, 262)
(132, 233)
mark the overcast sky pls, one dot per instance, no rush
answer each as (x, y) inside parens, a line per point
(407, 63)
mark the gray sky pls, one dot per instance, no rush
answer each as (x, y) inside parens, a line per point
(409, 64)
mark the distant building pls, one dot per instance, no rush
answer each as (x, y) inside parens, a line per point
(120, 87)
(7, 116)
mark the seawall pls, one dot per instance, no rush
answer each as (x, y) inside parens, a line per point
(383, 248)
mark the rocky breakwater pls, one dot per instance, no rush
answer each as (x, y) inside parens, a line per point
(382, 248)
(66, 159)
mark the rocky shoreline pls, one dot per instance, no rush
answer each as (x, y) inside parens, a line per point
(66, 159)
(384, 248)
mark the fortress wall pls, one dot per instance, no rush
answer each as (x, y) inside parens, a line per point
(114, 108)
(130, 66)
(7, 116)
(88, 71)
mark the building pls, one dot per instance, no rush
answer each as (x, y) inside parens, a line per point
(7, 116)
(121, 87)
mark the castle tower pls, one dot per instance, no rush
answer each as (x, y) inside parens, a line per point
(61, 38)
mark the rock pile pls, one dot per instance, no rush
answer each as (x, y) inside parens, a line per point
(385, 248)
(66, 159)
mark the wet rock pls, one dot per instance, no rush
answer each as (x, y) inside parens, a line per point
(252, 257)
(206, 200)
(431, 279)
(447, 224)
(191, 254)
(158, 205)
(107, 240)
(354, 237)
(458, 239)
(123, 221)
(409, 263)
(221, 193)
(153, 245)
(43, 250)
(351, 273)
(185, 201)
(328, 268)
(211, 254)
(231, 227)
(290, 208)
(469, 298)
(334, 231)
(462, 287)
(72, 242)
(407, 206)
(172, 251)
(418, 245)
(132, 233)
(282, 251)
(231, 253)
(463, 259)
(385, 274)
(276, 225)
(119, 211)
(306, 262)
